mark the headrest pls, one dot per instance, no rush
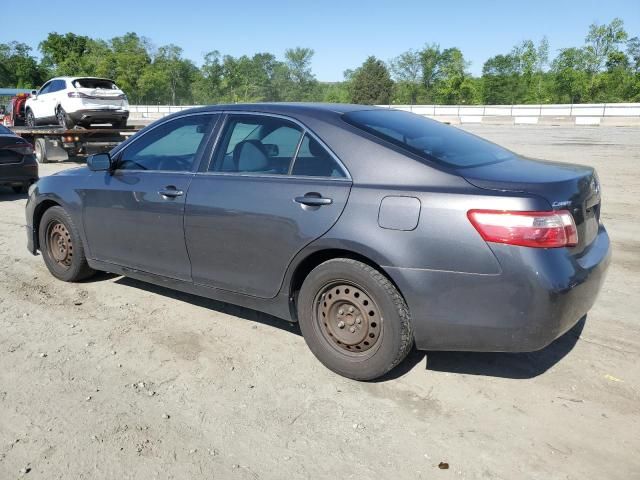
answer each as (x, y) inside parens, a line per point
(250, 156)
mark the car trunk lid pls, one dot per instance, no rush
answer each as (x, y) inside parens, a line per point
(565, 186)
(13, 149)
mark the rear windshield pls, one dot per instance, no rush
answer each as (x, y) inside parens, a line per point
(427, 138)
(5, 131)
(94, 83)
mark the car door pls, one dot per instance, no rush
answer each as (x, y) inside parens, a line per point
(54, 97)
(263, 197)
(38, 104)
(133, 216)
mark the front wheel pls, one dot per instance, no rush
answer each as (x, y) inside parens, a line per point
(353, 319)
(29, 119)
(61, 246)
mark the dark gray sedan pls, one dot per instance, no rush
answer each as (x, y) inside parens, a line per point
(374, 228)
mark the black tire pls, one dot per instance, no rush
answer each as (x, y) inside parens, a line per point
(40, 150)
(119, 124)
(64, 120)
(29, 119)
(58, 233)
(353, 319)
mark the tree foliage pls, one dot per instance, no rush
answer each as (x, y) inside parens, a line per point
(371, 84)
(606, 68)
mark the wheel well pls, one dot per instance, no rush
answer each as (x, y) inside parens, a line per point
(37, 216)
(312, 261)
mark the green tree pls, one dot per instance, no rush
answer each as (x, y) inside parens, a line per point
(371, 84)
(571, 76)
(407, 72)
(130, 58)
(633, 50)
(301, 82)
(601, 41)
(18, 68)
(207, 86)
(500, 80)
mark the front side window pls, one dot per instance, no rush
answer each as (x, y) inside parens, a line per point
(257, 144)
(46, 88)
(428, 139)
(173, 146)
(56, 86)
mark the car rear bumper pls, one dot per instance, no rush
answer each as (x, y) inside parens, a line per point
(19, 173)
(99, 116)
(538, 296)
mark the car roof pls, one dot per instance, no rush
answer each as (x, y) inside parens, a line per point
(289, 107)
(71, 79)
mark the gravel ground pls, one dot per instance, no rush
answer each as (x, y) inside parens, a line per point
(114, 378)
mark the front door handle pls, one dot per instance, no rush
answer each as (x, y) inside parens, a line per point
(314, 201)
(171, 192)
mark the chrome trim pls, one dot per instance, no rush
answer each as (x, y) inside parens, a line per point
(273, 175)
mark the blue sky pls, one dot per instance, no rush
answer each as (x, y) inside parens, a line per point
(342, 33)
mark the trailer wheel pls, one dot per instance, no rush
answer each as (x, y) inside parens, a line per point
(40, 150)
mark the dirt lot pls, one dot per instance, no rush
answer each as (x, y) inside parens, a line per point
(118, 379)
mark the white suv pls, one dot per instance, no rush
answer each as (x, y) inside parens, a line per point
(71, 101)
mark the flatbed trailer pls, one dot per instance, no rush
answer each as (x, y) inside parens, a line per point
(56, 144)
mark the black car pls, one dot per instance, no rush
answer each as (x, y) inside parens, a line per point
(18, 165)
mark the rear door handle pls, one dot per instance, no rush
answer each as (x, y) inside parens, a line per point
(171, 192)
(313, 201)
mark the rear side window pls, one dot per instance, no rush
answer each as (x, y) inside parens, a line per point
(427, 138)
(313, 160)
(257, 144)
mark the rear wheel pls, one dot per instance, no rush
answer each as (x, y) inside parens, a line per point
(61, 246)
(354, 319)
(29, 119)
(63, 119)
(40, 150)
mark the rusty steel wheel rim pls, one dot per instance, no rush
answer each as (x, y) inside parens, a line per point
(59, 244)
(348, 318)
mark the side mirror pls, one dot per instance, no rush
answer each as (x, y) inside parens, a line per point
(34, 93)
(100, 162)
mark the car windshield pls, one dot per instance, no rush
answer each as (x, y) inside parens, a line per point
(94, 83)
(5, 131)
(427, 138)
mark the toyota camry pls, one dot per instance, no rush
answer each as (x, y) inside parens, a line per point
(375, 229)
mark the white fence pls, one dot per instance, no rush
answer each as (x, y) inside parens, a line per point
(579, 114)
(560, 110)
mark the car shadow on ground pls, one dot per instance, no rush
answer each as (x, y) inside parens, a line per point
(222, 307)
(8, 195)
(507, 365)
(504, 365)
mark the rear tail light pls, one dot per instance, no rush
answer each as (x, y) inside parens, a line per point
(528, 229)
(78, 95)
(20, 148)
